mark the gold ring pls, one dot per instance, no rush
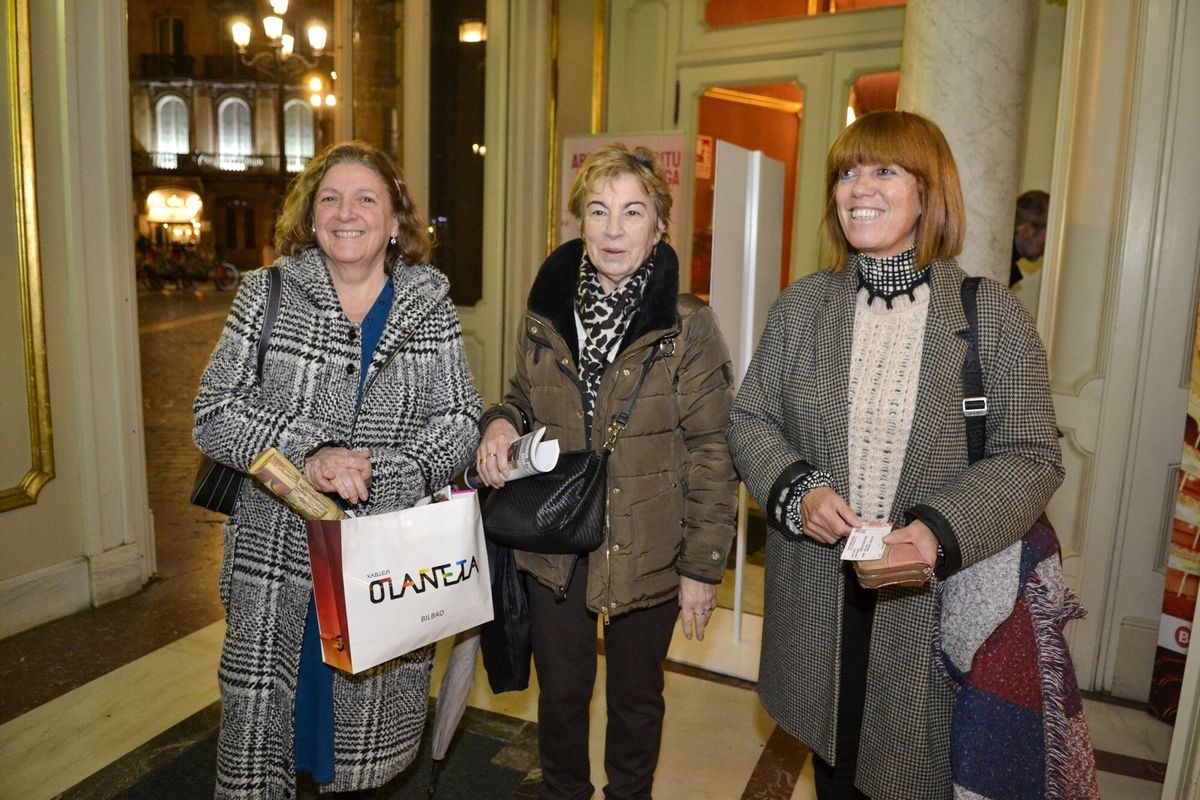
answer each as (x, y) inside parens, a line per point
(489, 455)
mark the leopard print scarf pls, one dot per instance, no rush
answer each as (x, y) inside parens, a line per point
(605, 319)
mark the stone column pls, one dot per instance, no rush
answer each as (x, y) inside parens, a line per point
(964, 65)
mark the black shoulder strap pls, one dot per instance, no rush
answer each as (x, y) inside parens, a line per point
(974, 404)
(664, 347)
(273, 291)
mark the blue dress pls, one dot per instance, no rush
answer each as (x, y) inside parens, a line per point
(314, 683)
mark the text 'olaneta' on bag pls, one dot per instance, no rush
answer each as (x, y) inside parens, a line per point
(562, 511)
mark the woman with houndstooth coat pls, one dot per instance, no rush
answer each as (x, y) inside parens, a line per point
(850, 412)
(366, 385)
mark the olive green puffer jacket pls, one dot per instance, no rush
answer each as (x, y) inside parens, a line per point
(671, 484)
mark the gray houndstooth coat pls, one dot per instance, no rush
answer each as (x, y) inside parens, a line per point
(418, 420)
(790, 416)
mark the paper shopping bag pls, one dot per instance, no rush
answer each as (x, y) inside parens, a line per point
(386, 585)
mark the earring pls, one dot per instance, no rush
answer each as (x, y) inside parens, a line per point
(393, 241)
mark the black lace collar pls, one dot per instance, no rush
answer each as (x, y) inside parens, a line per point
(891, 277)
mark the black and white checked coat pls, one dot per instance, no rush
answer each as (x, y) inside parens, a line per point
(790, 416)
(418, 420)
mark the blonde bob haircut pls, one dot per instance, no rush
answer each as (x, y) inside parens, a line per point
(294, 232)
(915, 143)
(614, 160)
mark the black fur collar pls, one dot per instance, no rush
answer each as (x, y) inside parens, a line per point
(552, 295)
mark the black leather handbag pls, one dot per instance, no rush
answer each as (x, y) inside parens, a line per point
(560, 511)
(217, 485)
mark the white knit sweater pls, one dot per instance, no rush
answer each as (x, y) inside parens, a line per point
(885, 365)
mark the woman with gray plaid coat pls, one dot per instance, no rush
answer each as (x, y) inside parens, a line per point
(365, 384)
(850, 412)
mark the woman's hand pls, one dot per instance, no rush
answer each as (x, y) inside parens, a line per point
(696, 603)
(337, 469)
(912, 542)
(825, 515)
(492, 460)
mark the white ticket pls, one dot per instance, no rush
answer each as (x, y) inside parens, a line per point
(866, 542)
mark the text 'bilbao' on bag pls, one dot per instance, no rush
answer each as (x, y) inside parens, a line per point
(217, 485)
(562, 511)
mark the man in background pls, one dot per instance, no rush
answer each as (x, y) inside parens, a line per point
(1029, 242)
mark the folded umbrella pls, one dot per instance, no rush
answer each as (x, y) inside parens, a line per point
(452, 698)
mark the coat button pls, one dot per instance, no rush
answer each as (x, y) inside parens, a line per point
(616, 547)
(716, 555)
(617, 490)
(533, 328)
(625, 372)
(565, 362)
(349, 369)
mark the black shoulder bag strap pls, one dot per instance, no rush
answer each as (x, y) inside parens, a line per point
(664, 347)
(974, 404)
(274, 290)
(216, 486)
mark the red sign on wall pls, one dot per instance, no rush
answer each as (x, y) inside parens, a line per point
(1183, 564)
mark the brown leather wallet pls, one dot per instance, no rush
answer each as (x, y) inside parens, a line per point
(887, 570)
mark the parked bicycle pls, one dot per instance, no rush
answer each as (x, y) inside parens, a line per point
(184, 268)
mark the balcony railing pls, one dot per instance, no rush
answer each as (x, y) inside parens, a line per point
(225, 68)
(187, 163)
(231, 67)
(158, 65)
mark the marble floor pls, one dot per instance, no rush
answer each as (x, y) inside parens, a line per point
(718, 743)
(86, 701)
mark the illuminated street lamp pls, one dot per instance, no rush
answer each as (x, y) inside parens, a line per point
(278, 59)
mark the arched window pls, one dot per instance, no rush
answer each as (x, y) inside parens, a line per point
(298, 144)
(171, 123)
(233, 120)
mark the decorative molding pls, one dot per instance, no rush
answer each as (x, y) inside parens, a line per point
(761, 101)
(1073, 543)
(29, 600)
(699, 43)
(1170, 492)
(1073, 74)
(1075, 387)
(115, 573)
(599, 46)
(19, 85)
(552, 127)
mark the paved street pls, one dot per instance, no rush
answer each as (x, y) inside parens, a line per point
(177, 333)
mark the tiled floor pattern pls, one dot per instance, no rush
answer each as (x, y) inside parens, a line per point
(717, 740)
(138, 676)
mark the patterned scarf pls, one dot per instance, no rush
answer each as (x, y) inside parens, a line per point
(605, 318)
